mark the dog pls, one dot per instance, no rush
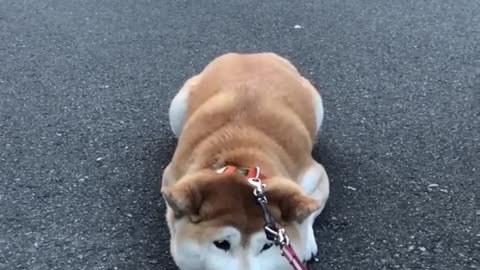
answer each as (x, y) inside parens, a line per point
(243, 112)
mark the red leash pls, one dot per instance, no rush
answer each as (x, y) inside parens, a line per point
(291, 255)
(274, 234)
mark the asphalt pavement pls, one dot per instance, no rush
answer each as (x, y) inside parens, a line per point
(84, 135)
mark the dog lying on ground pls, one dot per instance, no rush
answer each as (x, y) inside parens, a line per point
(241, 112)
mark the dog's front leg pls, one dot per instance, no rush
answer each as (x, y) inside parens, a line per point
(315, 183)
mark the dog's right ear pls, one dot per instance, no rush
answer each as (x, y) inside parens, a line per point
(184, 198)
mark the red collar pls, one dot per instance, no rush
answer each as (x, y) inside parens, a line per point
(247, 172)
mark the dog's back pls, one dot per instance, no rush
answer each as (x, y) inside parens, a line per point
(260, 94)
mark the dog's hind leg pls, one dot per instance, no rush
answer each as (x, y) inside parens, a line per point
(317, 104)
(316, 97)
(179, 105)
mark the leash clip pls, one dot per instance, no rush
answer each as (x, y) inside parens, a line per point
(258, 191)
(277, 236)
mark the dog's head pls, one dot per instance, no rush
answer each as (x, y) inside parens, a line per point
(216, 224)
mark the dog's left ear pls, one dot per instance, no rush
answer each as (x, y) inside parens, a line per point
(293, 203)
(184, 198)
(298, 207)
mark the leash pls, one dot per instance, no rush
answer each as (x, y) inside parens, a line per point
(277, 235)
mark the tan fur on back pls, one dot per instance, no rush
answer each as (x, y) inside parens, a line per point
(252, 109)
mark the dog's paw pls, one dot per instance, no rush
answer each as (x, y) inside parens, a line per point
(311, 245)
(312, 256)
(313, 259)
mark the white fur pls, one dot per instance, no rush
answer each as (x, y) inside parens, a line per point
(179, 105)
(190, 255)
(267, 259)
(317, 103)
(177, 111)
(315, 183)
(315, 180)
(319, 113)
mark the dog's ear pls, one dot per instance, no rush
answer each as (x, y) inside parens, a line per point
(298, 207)
(293, 203)
(184, 198)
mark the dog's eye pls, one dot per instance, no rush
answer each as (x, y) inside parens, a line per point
(223, 244)
(266, 246)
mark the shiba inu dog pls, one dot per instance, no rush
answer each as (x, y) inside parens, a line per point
(242, 112)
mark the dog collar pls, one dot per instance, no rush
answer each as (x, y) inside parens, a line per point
(247, 172)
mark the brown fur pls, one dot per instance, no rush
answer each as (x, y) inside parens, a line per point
(246, 110)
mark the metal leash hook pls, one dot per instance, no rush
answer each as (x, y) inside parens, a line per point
(257, 183)
(274, 234)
